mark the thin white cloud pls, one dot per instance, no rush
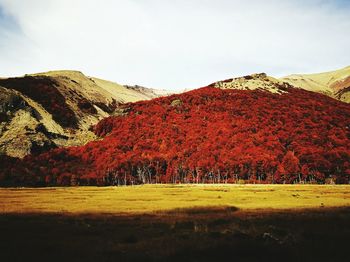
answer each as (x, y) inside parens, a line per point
(175, 44)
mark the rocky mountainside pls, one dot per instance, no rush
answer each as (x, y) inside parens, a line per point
(46, 110)
(334, 83)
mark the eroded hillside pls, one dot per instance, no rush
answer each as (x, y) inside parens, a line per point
(57, 109)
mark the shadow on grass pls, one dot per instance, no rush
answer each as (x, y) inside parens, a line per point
(198, 211)
(197, 234)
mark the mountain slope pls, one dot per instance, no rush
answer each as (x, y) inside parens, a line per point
(63, 104)
(334, 83)
(206, 135)
(19, 128)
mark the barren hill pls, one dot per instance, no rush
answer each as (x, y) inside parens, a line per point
(57, 108)
(334, 83)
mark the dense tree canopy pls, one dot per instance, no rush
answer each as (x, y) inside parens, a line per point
(207, 135)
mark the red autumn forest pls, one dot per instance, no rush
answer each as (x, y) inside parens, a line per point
(207, 135)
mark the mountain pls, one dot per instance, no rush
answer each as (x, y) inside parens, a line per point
(334, 83)
(209, 135)
(57, 108)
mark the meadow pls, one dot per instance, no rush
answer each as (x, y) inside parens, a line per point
(176, 223)
(165, 197)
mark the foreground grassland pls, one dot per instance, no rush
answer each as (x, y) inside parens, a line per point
(155, 198)
(176, 223)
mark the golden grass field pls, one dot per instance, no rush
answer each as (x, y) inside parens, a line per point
(154, 198)
(176, 223)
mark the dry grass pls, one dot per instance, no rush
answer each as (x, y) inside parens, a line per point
(155, 198)
(199, 223)
(318, 82)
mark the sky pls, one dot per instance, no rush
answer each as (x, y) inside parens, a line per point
(174, 44)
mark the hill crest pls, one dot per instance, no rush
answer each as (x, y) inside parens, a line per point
(259, 81)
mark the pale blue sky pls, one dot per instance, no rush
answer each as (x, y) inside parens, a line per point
(174, 44)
